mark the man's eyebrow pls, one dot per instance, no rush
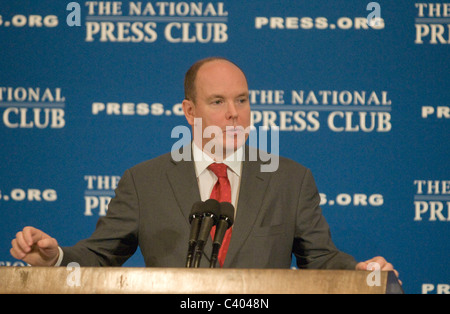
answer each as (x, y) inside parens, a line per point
(215, 96)
(244, 94)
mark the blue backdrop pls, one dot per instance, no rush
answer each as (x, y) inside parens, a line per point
(366, 108)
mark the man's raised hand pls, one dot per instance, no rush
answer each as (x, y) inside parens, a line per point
(35, 247)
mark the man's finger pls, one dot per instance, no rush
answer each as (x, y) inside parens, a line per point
(362, 266)
(15, 254)
(380, 260)
(21, 243)
(32, 235)
(16, 251)
(387, 266)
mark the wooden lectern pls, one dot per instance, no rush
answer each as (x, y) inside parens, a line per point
(61, 280)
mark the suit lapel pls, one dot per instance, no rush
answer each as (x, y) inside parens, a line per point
(252, 190)
(184, 184)
(183, 181)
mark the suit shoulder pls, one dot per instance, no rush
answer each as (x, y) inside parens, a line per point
(291, 166)
(155, 164)
(283, 163)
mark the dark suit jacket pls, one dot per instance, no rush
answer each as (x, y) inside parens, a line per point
(278, 214)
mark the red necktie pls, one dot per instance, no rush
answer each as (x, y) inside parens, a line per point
(222, 193)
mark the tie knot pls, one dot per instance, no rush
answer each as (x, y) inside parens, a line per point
(220, 170)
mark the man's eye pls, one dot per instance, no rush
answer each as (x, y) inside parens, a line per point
(243, 100)
(217, 102)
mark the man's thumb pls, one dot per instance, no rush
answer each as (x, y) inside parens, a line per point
(47, 244)
(362, 266)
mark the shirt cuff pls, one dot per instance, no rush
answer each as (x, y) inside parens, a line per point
(60, 258)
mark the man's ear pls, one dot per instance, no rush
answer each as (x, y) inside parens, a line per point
(189, 111)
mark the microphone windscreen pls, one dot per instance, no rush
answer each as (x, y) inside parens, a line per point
(197, 210)
(211, 206)
(227, 210)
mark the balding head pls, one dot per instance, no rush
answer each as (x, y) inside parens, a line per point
(190, 86)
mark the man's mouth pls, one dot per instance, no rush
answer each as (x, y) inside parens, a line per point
(233, 131)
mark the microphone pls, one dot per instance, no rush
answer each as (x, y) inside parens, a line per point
(211, 214)
(226, 220)
(195, 219)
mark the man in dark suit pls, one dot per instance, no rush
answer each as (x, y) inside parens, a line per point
(277, 212)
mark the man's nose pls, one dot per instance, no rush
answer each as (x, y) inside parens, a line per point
(231, 111)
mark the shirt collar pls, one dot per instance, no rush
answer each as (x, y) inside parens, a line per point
(203, 160)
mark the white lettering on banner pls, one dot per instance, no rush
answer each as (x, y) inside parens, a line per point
(432, 23)
(322, 23)
(428, 288)
(128, 109)
(216, 33)
(138, 8)
(30, 195)
(135, 109)
(345, 111)
(27, 108)
(432, 200)
(49, 21)
(441, 112)
(357, 199)
(185, 22)
(99, 192)
(328, 97)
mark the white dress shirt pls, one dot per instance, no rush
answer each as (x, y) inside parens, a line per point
(207, 179)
